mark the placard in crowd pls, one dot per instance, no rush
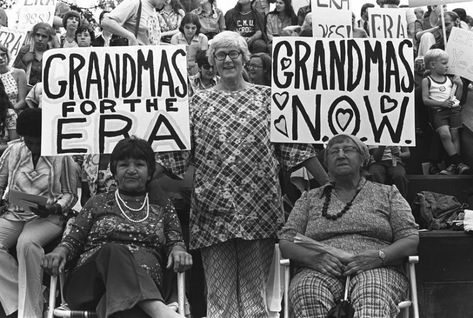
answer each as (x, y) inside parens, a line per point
(331, 18)
(13, 40)
(31, 12)
(460, 52)
(420, 3)
(361, 87)
(387, 23)
(94, 97)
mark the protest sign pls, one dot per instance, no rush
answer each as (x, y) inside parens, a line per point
(31, 12)
(13, 40)
(94, 97)
(387, 23)
(420, 3)
(460, 52)
(331, 18)
(361, 87)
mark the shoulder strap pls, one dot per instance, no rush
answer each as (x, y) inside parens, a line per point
(137, 27)
(429, 81)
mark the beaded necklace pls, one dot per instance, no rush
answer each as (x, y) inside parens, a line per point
(328, 197)
(120, 201)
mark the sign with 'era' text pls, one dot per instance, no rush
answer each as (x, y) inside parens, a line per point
(13, 40)
(387, 23)
(331, 18)
(94, 97)
(31, 12)
(361, 87)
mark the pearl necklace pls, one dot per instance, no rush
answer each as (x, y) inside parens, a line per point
(120, 201)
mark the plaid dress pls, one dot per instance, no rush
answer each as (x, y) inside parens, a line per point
(236, 186)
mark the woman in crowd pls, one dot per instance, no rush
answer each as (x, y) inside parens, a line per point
(13, 79)
(23, 169)
(282, 16)
(206, 77)
(194, 40)
(8, 118)
(211, 18)
(30, 56)
(259, 69)
(236, 202)
(123, 242)
(369, 225)
(433, 37)
(84, 36)
(70, 22)
(171, 17)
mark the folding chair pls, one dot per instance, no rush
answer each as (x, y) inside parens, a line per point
(64, 311)
(404, 306)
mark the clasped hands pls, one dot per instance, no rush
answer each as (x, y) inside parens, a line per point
(330, 265)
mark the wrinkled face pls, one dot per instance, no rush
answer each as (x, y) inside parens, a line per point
(84, 39)
(132, 174)
(280, 6)
(41, 39)
(33, 144)
(255, 70)
(343, 158)
(228, 62)
(189, 30)
(72, 23)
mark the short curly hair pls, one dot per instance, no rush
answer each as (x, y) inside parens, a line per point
(29, 123)
(228, 39)
(133, 148)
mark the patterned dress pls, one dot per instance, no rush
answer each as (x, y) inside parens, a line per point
(378, 217)
(11, 86)
(101, 222)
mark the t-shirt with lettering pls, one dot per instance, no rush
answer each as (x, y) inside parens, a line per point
(126, 14)
(244, 23)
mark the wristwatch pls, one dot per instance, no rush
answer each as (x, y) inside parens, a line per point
(382, 255)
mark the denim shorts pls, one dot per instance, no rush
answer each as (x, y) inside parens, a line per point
(451, 117)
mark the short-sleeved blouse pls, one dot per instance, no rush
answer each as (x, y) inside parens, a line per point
(101, 222)
(378, 217)
(212, 23)
(236, 186)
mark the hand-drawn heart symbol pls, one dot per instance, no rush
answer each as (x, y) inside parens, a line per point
(285, 63)
(281, 99)
(280, 125)
(343, 117)
(387, 104)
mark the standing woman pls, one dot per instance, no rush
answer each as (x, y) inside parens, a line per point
(30, 56)
(282, 16)
(70, 22)
(236, 207)
(211, 18)
(171, 17)
(22, 168)
(194, 40)
(259, 69)
(13, 79)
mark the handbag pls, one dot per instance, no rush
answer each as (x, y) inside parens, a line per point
(343, 309)
(121, 41)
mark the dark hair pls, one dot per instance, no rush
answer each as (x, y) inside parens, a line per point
(85, 28)
(469, 20)
(365, 7)
(45, 26)
(5, 104)
(190, 18)
(68, 15)
(288, 11)
(452, 15)
(133, 148)
(29, 123)
(266, 59)
(461, 13)
(201, 58)
(176, 6)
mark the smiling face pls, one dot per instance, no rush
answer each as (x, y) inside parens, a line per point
(132, 174)
(255, 70)
(229, 62)
(343, 159)
(280, 6)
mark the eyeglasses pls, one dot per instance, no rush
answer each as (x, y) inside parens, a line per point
(253, 66)
(348, 150)
(221, 56)
(207, 66)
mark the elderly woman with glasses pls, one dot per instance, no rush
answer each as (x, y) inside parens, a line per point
(236, 201)
(368, 231)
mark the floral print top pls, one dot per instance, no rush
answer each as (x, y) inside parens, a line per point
(101, 222)
(236, 186)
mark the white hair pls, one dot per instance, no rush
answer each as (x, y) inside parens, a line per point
(227, 39)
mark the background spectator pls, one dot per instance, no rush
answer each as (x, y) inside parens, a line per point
(302, 13)
(70, 22)
(170, 20)
(259, 69)
(8, 119)
(13, 79)
(211, 18)
(262, 6)
(206, 77)
(363, 22)
(282, 16)
(84, 36)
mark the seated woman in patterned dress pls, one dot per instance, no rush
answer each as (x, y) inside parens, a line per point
(122, 240)
(370, 223)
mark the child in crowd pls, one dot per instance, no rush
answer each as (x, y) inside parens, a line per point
(439, 93)
(84, 36)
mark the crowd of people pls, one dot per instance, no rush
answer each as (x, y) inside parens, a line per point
(222, 221)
